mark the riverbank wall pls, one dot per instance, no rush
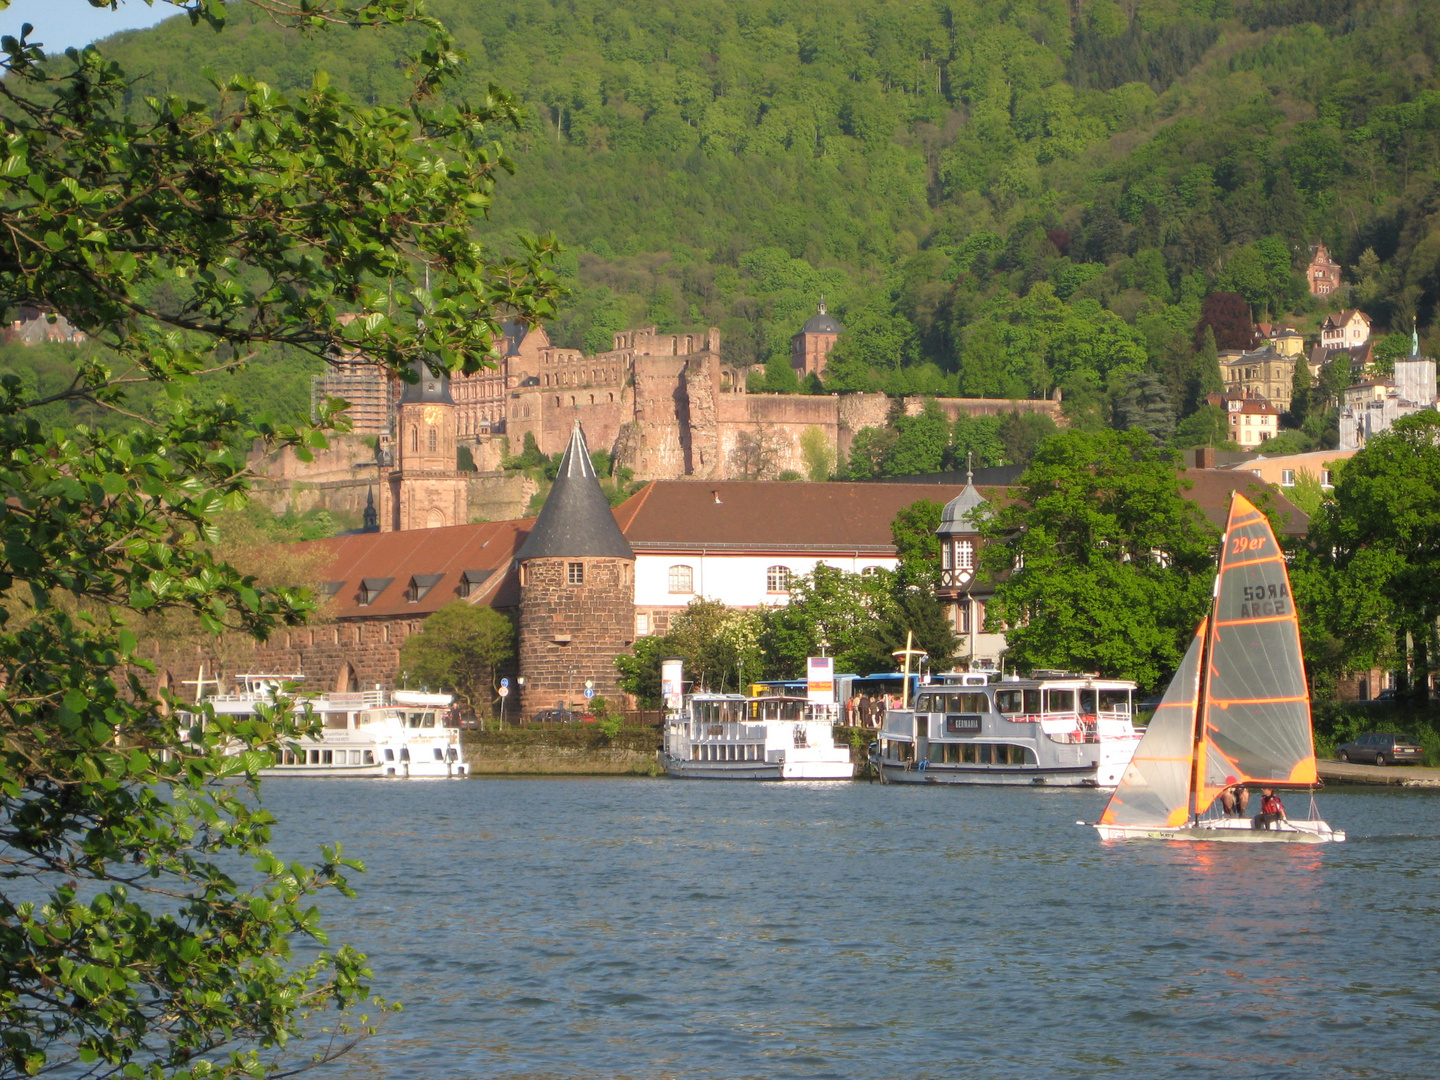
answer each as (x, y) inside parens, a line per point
(561, 752)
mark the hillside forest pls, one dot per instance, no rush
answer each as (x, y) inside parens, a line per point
(996, 199)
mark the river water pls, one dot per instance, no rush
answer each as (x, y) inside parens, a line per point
(673, 929)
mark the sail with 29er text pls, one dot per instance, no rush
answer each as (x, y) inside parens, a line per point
(1236, 714)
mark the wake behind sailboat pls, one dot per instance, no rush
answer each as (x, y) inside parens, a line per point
(1236, 714)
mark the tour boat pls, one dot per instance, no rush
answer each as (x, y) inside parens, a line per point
(398, 733)
(732, 737)
(1237, 712)
(1056, 728)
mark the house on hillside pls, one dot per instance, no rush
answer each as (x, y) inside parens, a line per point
(1345, 329)
(1285, 340)
(1252, 420)
(1266, 374)
(32, 326)
(1323, 273)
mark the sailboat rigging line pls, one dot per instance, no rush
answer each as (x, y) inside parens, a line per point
(1198, 742)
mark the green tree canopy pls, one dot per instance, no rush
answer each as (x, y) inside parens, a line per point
(151, 932)
(1103, 564)
(1380, 539)
(460, 649)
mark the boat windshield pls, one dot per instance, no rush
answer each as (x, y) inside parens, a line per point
(777, 708)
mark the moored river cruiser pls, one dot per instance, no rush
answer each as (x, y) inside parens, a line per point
(1056, 729)
(379, 733)
(732, 737)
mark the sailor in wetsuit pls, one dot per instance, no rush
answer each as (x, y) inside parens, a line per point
(1271, 810)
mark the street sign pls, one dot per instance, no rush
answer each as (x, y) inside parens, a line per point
(504, 683)
(504, 691)
(589, 691)
(589, 684)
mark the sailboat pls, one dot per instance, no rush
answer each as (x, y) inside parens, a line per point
(1237, 711)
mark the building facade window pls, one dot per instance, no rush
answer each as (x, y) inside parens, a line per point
(1287, 477)
(777, 579)
(433, 439)
(575, 573)
(682, 579)
(964, 555)
(962, 617)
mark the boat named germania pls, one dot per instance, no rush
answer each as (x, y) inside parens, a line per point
(379, 733)
(732, 737)
(1054, 729)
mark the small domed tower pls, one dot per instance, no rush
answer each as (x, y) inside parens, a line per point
(577, 590)
(811, 346)
(961, 592)
(425, 490)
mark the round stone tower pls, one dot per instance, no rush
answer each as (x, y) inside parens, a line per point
(577, 590)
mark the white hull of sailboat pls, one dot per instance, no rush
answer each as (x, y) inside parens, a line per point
(1229, 831)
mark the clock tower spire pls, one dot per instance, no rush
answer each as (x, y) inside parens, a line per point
(425, 490)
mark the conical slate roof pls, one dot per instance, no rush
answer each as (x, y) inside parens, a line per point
(959, 515)
(576, 519)
(430, 388)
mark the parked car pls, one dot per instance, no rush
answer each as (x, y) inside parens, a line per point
(562, 716)
(1381, 748)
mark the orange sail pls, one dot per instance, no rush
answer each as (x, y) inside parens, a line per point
(1255, 705)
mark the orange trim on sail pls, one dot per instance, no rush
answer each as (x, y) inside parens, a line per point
(1254, 562)
(1247, 622)
(1225, 703)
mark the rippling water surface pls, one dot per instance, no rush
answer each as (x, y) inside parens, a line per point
(634, 928)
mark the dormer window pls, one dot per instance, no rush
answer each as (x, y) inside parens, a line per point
(420, 584)
(328, 589)
(471, 580)
(371, 588)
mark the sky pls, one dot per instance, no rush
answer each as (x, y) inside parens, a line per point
(60, 24)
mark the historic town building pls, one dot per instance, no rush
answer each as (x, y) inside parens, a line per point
(1264, 373)
(1251, 420)
(1323, 273)
(425, 489)
(810, 348)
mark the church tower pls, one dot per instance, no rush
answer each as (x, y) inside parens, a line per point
(425, 490)
(810, 348)
(577, 590)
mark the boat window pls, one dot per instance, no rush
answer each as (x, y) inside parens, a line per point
(1032, 701)
(404, 753)
(427, 719)
(414, 719)
(1087, 701)
(1008, 701)
(389, 755)
(336, 720)
(1062, 701)
(927, 703)
(985, 755)
(1117, 701)
(327, 757)
(439, 753)
(369, 757)
(968, 703)
(969, 753)
(314, 758)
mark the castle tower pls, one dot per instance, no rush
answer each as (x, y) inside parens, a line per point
(425, 490)
(810, 347)
(577, 590)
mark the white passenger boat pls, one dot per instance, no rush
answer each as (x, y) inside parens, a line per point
(731, 737)
(1235, 716)
(380, 733)
(1055, 729)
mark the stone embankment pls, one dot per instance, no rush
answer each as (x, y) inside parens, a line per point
(1344, 772)
(560, 752)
